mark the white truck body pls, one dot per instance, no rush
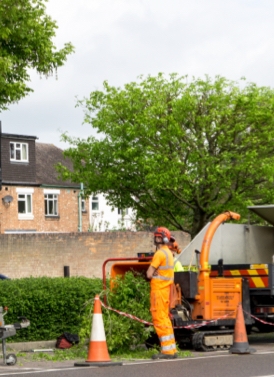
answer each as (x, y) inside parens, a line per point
(237, 243)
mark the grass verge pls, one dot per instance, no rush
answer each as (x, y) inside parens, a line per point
(80, 353)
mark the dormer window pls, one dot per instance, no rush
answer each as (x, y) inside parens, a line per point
(19, 152)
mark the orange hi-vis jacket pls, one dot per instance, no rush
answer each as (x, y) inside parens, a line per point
(160, 285)
(163, 262)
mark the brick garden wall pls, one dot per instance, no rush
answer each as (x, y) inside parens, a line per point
(46, 254)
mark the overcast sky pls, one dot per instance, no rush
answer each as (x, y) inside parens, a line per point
(118, 40)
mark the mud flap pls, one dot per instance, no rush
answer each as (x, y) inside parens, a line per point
(246, 302)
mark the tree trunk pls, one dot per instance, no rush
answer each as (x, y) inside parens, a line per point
(200, 219)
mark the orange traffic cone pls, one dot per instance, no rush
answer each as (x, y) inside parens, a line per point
(98, 352)
(240, 341)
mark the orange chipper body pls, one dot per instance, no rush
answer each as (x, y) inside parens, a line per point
(216, 296)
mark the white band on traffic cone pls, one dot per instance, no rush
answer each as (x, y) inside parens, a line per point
(98, 332)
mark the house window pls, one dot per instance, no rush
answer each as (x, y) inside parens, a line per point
(24, 200)
(19, 152)
(122, 212)
(24, 203)
(83, 205)
(51, 204)
(95, 203)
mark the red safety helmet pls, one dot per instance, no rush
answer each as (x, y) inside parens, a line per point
(164, 233)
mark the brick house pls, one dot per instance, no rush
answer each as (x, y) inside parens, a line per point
(33, 198)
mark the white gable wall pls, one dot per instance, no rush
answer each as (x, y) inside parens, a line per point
(106, 218)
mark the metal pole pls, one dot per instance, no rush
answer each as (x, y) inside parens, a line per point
(80, 207)
(66, 272)
(4, 351)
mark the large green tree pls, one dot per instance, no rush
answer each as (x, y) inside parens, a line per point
(26, 42)
(178, 150)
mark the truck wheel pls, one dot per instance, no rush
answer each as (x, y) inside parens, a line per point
(11, 359)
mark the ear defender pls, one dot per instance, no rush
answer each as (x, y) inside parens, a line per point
(165, 240)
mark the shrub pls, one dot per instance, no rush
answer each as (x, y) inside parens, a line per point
(129, 295)
(56, 305)
(53, 305)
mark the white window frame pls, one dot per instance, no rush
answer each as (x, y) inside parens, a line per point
(55, 198)
(123, 212)
(19, 147)
(83, 205)
(95, 200)
(27, 192)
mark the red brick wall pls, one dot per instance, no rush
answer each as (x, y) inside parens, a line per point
(46, 254)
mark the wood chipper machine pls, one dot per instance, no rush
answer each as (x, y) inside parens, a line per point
(202, 308)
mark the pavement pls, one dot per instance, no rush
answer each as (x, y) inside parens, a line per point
(26, 361)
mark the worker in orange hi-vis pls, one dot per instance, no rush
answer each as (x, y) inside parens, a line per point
(174, 247)
(161, 273)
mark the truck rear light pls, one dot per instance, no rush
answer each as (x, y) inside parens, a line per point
(264, 309)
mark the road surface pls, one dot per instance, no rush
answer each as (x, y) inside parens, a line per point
(216, 364)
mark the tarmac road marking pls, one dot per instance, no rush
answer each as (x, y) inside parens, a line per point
(193, 358)
(31, 370)
(17, 368)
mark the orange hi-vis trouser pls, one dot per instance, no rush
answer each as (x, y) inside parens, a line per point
(159, 307)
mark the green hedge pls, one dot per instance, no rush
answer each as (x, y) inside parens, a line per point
(53, 305)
